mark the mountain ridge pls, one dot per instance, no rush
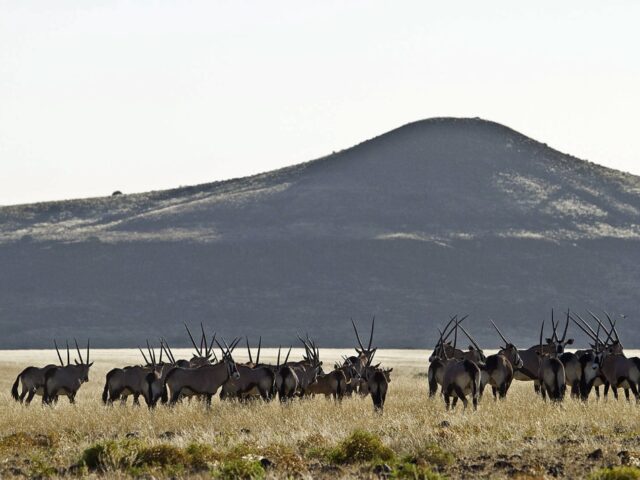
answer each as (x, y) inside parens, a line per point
(435, 217)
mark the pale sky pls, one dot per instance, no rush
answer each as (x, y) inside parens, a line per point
(103, 95)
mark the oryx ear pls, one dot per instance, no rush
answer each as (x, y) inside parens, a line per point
(91, 364)
(470, 348)
(570, 341)
(76, 362)
(390, 370)
(548, 340)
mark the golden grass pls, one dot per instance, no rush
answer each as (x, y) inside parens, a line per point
(521, 437)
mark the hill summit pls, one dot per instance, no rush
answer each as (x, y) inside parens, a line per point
(437, 217)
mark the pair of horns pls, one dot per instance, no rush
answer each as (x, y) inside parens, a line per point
(69, 354)
(249, 350)
(286, 359)
(373, 324)
(227, 350)
(152, 353)
(205, 350)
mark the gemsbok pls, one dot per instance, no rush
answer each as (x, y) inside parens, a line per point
(66, 380)
(204, 380)
(147, 380)
(32, 379)
(551, 376)
(460, 377)
(498, 369)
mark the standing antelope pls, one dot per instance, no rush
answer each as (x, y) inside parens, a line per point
(287, 381)
(551, 376)
(32, 379)
(204, 352)
(147, 380)
(377, 384)
(66, 380)
(498, 369)
(364, 354)
(204, 380)
(461, 377)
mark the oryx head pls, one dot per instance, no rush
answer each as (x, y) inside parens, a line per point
(365, 354)
(556, 343)
(227, 359)
(509, 350)
(83, 363)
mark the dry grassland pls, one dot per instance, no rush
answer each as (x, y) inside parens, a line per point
(522, 437)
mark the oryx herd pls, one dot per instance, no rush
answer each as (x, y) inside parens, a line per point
(164, 378)
(552, 369)
(459, 373)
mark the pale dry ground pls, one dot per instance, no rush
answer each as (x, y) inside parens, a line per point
(521, 436)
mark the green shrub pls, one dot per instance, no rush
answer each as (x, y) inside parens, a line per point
(433, 454)
(616, 473)
(111, 455)
(360, 446)
(201, 455)
(412, 471)
(161, 456)
(240, 469)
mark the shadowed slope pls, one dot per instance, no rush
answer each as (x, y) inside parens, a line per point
(438, 216)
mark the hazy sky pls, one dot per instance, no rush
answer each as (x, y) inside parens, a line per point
(103, 95)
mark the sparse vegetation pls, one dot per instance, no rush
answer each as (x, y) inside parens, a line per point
(415, 438)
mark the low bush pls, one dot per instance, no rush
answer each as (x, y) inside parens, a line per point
(360, 446)
(616, 473)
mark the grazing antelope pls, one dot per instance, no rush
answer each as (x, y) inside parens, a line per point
(147, 381)
(461, 377)
(204, 380)
(32, 379)
(551, 376)
(66, 380)
(498, 369)
(443, 342)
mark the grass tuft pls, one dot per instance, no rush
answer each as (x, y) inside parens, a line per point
(361, 446)
(240, 469)
(616, 473)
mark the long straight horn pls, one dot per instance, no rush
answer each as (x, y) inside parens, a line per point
(287, 357)
(357, 336)
(373, 325)
(566, 327)
(87, 351)
(249, 350)
(259, 347)
(211, 350)
(161, 351)
(499, 333)
(455, 338)
(451, 320)
(470, 339)
(442, 348)
(585, 323)
(541, 330)
(68, 354)
(78, 349)
(168, 351)
(143, 356)
(554, 335)
(613, 326)
(204, 338)
(58, 352)
(278, 362)
(151, 354)
(585, 330)
(193, 342)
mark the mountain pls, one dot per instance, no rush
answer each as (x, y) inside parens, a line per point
(437, 217)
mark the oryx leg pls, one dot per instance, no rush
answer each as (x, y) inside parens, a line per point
(24, 392)
(29, 397)
(495, 392)
(461, 396)
(433, 386)
(136, 399)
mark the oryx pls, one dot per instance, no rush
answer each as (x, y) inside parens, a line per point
(551, 376)
(147, 380)
(66, 380)
(204, 380)
(498, 369)
(32, 379)
(461, 377)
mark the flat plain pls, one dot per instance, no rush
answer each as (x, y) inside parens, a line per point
(415, 437)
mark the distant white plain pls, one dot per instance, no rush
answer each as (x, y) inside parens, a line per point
(133, 96)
